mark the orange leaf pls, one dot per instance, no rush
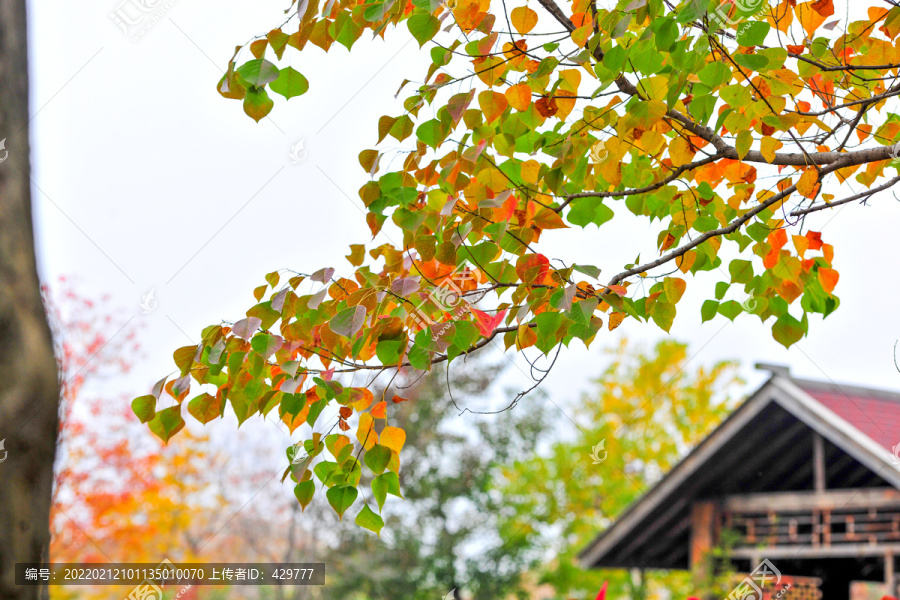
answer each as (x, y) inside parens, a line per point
(379, 411)
(485, 322)
(398, 399)
(777, 239)
(519, 96)
(823, 7)
(828, 278)
(815, 240)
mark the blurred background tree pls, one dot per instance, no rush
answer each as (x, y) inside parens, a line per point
(443, 539)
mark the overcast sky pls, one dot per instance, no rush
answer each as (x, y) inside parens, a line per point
(146, 179)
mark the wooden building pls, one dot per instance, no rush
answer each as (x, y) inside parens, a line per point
(804, 473)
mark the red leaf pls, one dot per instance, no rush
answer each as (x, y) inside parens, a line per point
(619, 289)
(398, 399)
(601, 595)
(485, 322)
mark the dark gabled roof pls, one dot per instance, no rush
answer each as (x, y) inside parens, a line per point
(765, 445)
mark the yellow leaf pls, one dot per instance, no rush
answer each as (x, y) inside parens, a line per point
(523, 19)
(519, 96)
(768, 147)
(808, 183)
(686, 261)
(492, 104)
(365, 433)
(809, 18)
(393, 438)
(680, 152)
(530, 171)
(615, 320)
(781, 16)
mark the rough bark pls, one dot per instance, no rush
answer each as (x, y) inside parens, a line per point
(29, 388)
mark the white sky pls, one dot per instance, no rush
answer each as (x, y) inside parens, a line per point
(150, 180)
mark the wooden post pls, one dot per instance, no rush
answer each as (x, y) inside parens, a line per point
(703, 516)
(889, 581)
(818, 462)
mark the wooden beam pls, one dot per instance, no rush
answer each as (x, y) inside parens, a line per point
(804, 501)
(806, 551)
(819, 462)
(703, 519)
(889, 574)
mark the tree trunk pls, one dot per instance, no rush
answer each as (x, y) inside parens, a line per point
(29, 388)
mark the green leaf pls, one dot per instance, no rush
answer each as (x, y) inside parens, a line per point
(167, 423)
(741, 271)
(583, 211)
(730, 309)
(144, 407)
(388, 483)
(341, 497)
(315, 410)
(423, 27)
(257, 103)
(304, 492)
(388, 351)
(787, 330)
(266, 344)
(663, 315)
(752, 33)
(431, 132)
(377, 458)
(291, 404)
(369, 519)
(290, 83)
(715, 74)
(204, 408)
(588, 270)
(754, 62)
(258, 72)
(709, 310)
